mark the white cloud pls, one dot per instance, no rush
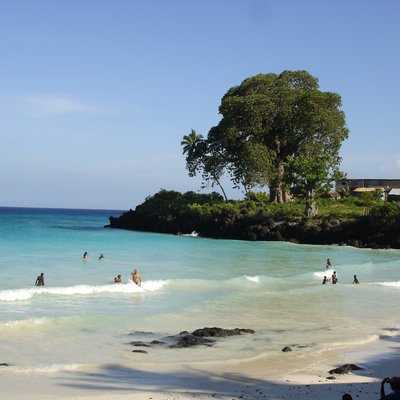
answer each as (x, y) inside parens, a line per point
(42, 105)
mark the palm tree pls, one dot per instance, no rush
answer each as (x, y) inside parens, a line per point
(190, 141)
(195, 148)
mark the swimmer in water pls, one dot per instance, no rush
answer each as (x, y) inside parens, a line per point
(40, 280)
(136, 278)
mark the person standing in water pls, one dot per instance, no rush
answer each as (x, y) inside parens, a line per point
(355, 280)
(85, 255)
(328, 264)
(136, 278)
(334, 278)
(40, 280)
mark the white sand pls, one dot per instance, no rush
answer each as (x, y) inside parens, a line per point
(254, 379)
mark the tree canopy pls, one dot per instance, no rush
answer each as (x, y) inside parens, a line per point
(279, 131)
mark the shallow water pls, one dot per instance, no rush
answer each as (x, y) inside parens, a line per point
(82, 318)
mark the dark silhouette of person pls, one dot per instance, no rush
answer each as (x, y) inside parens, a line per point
(40, 280)
(394, 383)
(355, 280)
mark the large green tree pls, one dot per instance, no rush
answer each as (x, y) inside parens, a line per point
(268, 120)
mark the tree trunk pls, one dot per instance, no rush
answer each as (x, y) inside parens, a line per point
(222, 189)
(277, 191)
(287, 196)
(311, 209)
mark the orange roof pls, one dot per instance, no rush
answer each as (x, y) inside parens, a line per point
(364, 189)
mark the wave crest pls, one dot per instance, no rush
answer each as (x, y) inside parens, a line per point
(130, 287)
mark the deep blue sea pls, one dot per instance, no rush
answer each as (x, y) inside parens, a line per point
(80, 318)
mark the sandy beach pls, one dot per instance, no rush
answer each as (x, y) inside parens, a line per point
(253, 379)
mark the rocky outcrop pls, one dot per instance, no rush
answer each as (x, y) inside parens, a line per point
(219, 332)
(199, 337)
(361, 232)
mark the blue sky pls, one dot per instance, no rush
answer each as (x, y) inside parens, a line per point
(96, 95)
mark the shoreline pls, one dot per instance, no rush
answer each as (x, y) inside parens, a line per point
(253, 379)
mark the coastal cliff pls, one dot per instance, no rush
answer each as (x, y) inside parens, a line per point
(164, 214)
(357, 233)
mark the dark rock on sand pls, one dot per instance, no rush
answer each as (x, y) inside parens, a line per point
(345, 369)
(4, 365)
(286, 349)
(156, 342)
(199, 337)
(139, 344)
(192, 340)
(219, 332)
(139, 351)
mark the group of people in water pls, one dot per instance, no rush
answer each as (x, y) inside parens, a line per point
(135, 275)
(86, 256)
(136, 278)
(334, 278)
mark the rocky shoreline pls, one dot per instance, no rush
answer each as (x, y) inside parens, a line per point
(364, 232)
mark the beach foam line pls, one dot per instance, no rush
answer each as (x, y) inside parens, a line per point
(255, 279)
(43, 369)
(130, 287)
(19, 322)
(394, 284)
(348, 344)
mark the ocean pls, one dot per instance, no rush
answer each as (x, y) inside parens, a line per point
(81, 319)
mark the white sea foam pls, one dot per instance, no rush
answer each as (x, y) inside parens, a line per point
(321, 274)
(255, 279)
(44, 369)
(34, 321)
(130, 287)
(394, 284)
(349, 344)
(391, 332)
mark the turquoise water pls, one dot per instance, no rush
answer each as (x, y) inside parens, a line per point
(82, 318)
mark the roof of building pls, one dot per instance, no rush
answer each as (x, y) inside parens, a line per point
(364, 189)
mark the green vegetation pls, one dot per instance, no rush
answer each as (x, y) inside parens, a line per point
(278, 131)
(257, 204)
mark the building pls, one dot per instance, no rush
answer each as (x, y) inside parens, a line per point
(358, 186)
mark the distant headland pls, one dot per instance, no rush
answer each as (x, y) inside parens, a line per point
(282, 132)
(364, 222)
